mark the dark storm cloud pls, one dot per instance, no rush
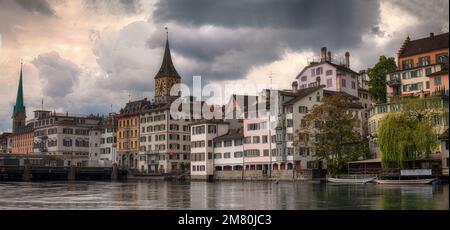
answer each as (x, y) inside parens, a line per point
(37, 6)
(252, 33)
(114, 6)
(269, 13)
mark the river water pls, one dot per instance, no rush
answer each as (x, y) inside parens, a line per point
(164, 195)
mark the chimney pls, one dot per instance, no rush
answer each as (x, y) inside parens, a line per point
(323, 54)
(295, 86)
(431, 35)
(329, 56)
(347, 59)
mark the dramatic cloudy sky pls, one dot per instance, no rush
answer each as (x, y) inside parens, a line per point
(82, 56)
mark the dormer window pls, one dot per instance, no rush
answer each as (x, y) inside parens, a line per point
(319, 71)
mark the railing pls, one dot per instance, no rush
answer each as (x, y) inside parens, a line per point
(394, 81)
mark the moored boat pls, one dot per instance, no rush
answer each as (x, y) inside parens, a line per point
(406, 181)
(351, 180)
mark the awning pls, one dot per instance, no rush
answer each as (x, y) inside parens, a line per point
(376, 160)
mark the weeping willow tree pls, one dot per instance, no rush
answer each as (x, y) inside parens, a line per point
(408, 135)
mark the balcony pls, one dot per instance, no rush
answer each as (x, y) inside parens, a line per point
(394, 82)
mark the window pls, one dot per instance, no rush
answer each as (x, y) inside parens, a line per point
(329, 82)
(412, 87)
(256, 139)
(353, 85)
(303, 109)
(428, 71)
(427, 84)
(238, 142)
(289, 109)
(442, 58)
(266, 152)
(423, 61)
(67, 131)
(67, 142)
(290, 123)
(407, 64)
(265, 139)
(304, 78)
(329, 72)
(319, 71)
(227, 143)
(313, 72)
(218, 144)
(238, 154)
(52, 131)
(227, 155)
(252, 153)
(198, 130)
(212, 129)
(415, 73)
(217, 155)
(344, 83)
(437, 80)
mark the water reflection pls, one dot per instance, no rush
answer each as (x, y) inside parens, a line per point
(219, 195)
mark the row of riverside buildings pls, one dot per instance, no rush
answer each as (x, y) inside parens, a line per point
(145, 138)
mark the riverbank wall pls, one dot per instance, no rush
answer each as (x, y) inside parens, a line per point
(282, 175)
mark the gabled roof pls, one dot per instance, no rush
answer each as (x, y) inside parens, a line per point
(135, 106)
(231, 135)
(302, 93)
(353, 105)
(339, 67)
(423, 45)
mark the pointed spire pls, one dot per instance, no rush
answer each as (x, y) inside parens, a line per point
(167, 67)
(19, 106)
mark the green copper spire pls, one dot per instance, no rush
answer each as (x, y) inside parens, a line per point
(19, 106)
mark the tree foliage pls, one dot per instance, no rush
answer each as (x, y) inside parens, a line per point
(330, 129)
(409, 135)
(377, 78)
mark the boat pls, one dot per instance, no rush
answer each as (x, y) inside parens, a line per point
(350, 180)
(406, 181)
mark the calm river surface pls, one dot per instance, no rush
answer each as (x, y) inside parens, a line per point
(219, 195)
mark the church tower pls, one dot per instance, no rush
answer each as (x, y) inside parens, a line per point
(166, 77)
(19, 113)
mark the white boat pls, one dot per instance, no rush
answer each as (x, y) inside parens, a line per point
(417, 181)
(350, 180)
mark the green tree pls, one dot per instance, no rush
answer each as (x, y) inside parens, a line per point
(410, 135)
(329, 129)
(377, 78)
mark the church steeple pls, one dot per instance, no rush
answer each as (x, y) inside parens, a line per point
(19, 112)
(166, 77)
(167, 67)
